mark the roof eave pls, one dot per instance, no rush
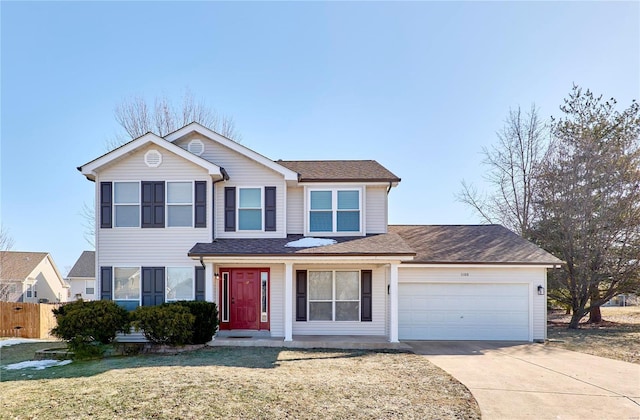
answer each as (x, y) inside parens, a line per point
(89, 170)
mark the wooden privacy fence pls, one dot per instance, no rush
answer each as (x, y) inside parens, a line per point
(27, 320)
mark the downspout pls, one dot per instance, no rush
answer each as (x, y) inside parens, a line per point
(225, 177)
(389, 188)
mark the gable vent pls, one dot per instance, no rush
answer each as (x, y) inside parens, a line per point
(153, 158)
(196, 146)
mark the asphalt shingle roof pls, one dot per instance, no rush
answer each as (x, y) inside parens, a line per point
(384, 244)
(339, 170)
(18, 265)
(85, 266)
(484, 244)
(437, 244)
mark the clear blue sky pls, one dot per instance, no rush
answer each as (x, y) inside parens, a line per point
(420, 87)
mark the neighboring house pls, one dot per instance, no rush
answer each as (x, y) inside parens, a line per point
(301, 247)
(30, 277)
(82, 277)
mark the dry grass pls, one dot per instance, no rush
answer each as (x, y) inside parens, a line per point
(241, 383)
(617, 337)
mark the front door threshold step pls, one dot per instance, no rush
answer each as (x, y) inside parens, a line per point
(310, 342)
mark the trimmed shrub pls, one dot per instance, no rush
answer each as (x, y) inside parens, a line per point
(165, 324)
(86, 326)
(206, 319)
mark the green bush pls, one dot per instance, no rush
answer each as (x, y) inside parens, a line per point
(165, 324)
(87, 326)
(206, 321)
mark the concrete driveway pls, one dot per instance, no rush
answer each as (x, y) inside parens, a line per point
(521, 381)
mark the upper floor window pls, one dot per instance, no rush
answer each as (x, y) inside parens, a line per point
(126, 200)
(153, 204)
(334, 211)
(179, 204)
(250, 209)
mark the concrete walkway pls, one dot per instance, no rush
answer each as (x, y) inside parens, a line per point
(534, 381)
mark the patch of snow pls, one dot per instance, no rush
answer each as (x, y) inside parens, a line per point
(310, 242)
(13, 341)
(37, 364)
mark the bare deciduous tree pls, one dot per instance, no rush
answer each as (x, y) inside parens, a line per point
(6, 243)
(588, 203)
(88, 215)
(137, 117)
(512, 166)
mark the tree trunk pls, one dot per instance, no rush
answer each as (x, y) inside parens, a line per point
(594, 313)
(595, 316)
(575, 319)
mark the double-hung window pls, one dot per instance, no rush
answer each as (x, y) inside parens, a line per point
(335, 211)
(179, 204)
(180, 284)
(334, 295)
(126, 201)
(250, 209)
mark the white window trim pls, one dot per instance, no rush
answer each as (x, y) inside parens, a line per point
(238, 208)
(333, 296)
(334, 210)
(166, 282)
(113, 283)
(139, 205)
(264, 295)
(166, 204)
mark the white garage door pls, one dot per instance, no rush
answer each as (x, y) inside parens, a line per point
(465, 311)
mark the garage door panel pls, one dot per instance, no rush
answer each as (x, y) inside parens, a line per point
(440, 311)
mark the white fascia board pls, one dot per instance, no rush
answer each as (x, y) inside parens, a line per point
(304, 260)
(288, 174)
(445, 265)
(89, 169)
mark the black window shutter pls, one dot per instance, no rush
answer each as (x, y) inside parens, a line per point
(200, 208)
(270, 208)
(229, 209)
(105, 204)
(152, 200)
(199, 283)
(366, 277)
(105, 283)
(158, 204)
(301, 295)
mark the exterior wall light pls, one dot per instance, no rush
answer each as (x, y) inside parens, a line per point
(540, 290)
(217, 276)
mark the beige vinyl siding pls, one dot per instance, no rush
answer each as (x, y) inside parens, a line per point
(133, 168)
(532, 276)
(150, 247)
(376, 209)
(277, 301)
(48, 284)
(295, 210)
(375, 327)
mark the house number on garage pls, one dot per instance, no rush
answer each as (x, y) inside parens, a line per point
(464, 274)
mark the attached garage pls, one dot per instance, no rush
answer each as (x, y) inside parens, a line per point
(464, 311)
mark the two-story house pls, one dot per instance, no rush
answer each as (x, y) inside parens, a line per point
(301, 247)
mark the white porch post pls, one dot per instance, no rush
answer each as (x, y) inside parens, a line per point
(393, 304)
(209, 282)
(288, 301)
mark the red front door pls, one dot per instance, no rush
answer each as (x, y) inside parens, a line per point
(244, 299)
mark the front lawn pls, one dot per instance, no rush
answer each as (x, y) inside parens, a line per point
(240, 383)
(617, 337)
